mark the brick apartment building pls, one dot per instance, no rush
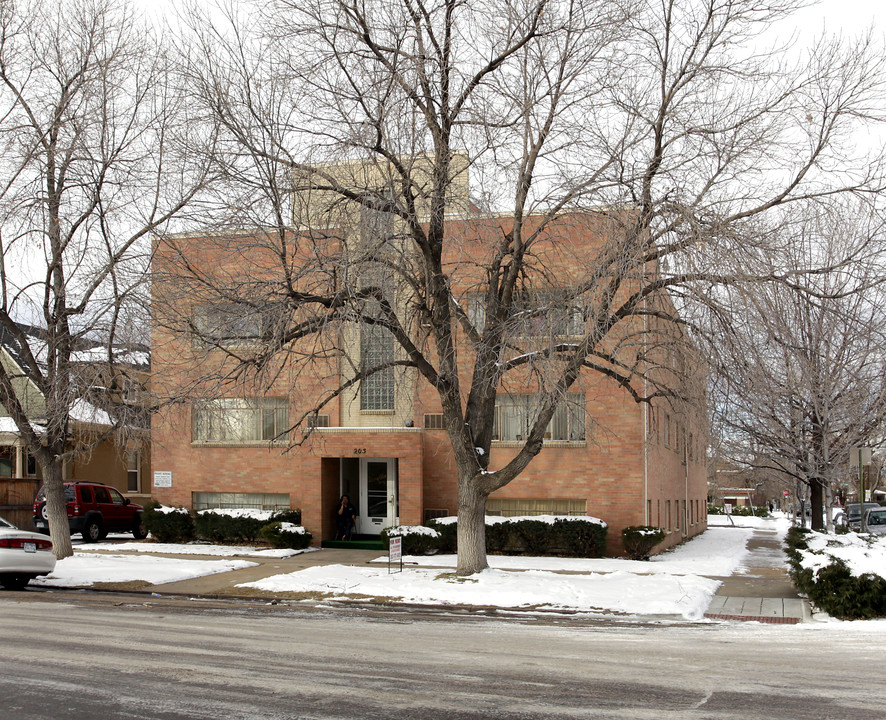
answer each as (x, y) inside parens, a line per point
(234, 443)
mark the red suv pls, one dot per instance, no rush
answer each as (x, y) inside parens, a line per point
(94, 510)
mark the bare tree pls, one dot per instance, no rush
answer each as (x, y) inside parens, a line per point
(351, 128)
(800, 376)
(94, 162)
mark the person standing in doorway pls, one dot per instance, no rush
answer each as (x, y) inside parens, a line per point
(345, 518)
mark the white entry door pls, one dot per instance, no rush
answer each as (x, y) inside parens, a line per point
(378, 506)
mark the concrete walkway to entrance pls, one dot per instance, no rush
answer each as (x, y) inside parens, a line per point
(764, 592)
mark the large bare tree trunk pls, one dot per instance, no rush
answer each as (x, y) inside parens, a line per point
(54, 490)
(471, 528)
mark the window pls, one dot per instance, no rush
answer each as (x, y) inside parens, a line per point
(133, 471)
(376, 349)
(536, 313)
(237, 420)
(31, 466)
(548, 312)
(253, 501)
(130, 390)
(230, 323)
(318, 421)
(514, 415)
(519, 507)
(434, 421)
(101, 495)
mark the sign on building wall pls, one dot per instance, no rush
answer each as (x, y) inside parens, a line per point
(162, 478)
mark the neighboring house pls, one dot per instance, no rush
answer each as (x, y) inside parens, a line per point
(125, 468)
(383, 442)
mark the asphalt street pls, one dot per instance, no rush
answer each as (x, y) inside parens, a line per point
(82, 655)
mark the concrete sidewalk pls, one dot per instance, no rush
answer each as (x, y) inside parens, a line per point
(761, 593)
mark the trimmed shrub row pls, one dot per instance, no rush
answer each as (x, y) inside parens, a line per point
(180, 525)
(417, 539)
(282, 534)
(567, 537)
(740, 510)
(834, 588)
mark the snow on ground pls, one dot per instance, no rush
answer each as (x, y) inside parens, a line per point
(678, 582)
(861, 553)
(82, 570)
(193, 549)
(670, 584)
(716, 553)
(626, 592)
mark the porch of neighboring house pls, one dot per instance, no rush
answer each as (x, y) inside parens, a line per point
(19, 480)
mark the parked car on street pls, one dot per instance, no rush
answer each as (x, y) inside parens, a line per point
(24, 555)
(875, 521)
(852, 515)
(94, 510)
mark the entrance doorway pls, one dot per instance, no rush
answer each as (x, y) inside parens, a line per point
(373, 487)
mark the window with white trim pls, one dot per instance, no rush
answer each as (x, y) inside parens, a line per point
(241, 420)
(133, 471)
(515, 415)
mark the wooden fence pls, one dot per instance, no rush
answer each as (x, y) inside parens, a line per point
(17, 500)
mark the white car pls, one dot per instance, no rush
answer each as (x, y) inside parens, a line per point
(23, 556)
(875, 521)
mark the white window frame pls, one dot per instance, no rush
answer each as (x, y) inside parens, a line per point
(241, 421)
(136, 471)
(515, 414)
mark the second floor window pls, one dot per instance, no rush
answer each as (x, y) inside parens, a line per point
(515, 415)
(228, 323)
(537, 313)
(241, 420)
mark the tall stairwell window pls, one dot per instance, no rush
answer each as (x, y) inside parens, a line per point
(376, 349)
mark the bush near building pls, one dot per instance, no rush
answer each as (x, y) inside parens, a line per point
(540, 535)
(286, 535)
(639, 540)
(176, 524)
(833, 587)
(227, 526)
(166, 524)
(740, 510)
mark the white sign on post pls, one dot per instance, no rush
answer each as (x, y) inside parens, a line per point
(395, 551)
(163, 478)
(728, 508)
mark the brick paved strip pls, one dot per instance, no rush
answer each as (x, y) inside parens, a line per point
(755, 618)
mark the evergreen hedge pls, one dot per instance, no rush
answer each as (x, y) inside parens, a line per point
(740, 510)
(417, 540)
(174, 525)
(283, 534)
(639, 540)
(221, 527)
(834, 588)
(567, 537)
